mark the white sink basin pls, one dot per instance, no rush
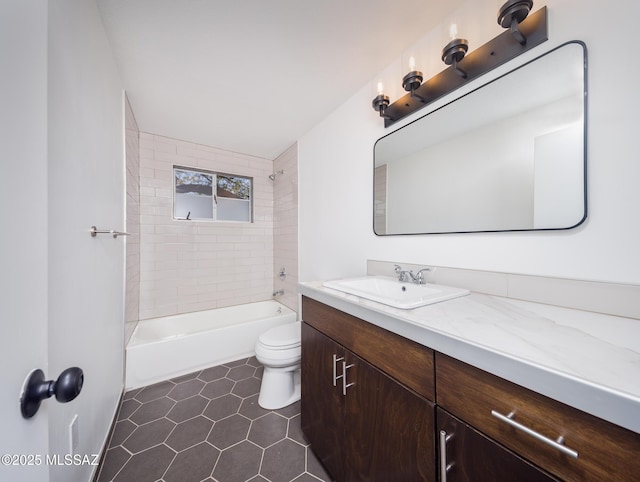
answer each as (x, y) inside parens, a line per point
(392, 292)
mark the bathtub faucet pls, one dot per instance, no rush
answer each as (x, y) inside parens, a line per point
(278, 292)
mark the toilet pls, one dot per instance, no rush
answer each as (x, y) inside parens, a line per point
(278, 349)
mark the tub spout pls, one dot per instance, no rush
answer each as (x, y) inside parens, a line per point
(278, 292)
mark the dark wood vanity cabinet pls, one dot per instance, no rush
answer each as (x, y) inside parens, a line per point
(561, 440)
(360, 421)
(466, 455)
(368, 412)
(321, 402)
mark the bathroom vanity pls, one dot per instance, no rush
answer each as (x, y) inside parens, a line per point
(368, 398)
(390, 394)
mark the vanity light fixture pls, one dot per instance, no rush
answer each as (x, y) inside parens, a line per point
(525, 32)
(413, 80)
(381, 102)
(511, 14)
(455, 50)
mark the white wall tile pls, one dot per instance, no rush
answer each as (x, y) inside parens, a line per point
(285, 225)
(190, 266)
(132, 156)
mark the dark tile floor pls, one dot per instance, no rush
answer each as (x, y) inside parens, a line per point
(208, 426)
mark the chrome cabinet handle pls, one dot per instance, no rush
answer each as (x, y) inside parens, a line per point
(335, 377)
(556, 444)
(345, 385)
(444, 467)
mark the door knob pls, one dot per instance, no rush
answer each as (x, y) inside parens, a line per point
(65, 388)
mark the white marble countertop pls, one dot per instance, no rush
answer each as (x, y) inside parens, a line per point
(587, 360)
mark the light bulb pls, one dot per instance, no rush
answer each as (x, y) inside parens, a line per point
(453, 31)
(412, 63)
(380, 88)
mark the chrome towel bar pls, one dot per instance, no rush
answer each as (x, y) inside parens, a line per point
(95, 231)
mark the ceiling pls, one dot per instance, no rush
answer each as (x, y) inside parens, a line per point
(253, 76)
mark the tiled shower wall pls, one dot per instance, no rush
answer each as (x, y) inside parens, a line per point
(132, 283)
(285, 209)
(191, 265)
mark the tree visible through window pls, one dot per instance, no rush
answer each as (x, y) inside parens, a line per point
(238, 187)
(195, 199)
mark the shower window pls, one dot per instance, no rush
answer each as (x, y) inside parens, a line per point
(201, 195)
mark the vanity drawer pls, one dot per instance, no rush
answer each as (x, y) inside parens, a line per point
(604, 451)
(407, 361)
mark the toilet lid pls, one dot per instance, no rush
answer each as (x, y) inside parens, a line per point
(281, 337)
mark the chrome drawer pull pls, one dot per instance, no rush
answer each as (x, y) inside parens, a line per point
(557, 444)
(335, 362)
(346, 385)
(444, 467)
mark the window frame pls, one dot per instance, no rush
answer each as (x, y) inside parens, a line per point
(214, 196)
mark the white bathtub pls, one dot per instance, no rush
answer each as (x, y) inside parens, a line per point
(163, 348)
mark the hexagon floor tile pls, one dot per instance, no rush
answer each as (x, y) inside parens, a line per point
(208, 427)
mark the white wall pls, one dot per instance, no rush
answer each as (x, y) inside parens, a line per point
(336, 167)
(86, 187)
(558, 187)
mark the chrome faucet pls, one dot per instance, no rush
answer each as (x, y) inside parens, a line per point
(409, 277)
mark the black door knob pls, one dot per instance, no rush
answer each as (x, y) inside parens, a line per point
(65, 388)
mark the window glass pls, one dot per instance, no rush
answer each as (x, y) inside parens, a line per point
(194, 197)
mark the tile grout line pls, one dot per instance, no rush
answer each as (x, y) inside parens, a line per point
(241, 393)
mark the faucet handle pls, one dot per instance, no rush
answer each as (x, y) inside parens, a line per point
(402, 275)
(420, 275)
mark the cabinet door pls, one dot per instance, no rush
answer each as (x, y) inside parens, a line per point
(388, 428)
(471, 456)
(322, 402)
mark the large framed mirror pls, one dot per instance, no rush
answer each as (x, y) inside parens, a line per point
(507, 156)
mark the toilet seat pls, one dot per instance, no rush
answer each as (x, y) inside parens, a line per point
(283, 337)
